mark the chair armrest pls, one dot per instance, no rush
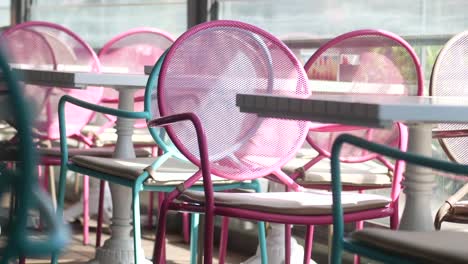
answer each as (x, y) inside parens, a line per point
(448, 204)
(97, 108)
(203, 150)
(449, 133)
(101, 109)
(338, 223)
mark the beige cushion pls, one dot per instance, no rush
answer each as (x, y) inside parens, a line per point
(140, 136)
(424, 247)
(172, 172)
(369, 174)
(311, 202)
(98, 152)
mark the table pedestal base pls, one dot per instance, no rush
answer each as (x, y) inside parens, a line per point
(276, 248)
(117, 252)
(419, 182)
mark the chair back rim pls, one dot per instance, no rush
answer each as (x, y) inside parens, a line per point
(366, 32)
(38, 23)
(161, 89)
(131, 32)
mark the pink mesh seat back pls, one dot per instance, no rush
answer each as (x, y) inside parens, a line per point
(202, 73)
(362, 62)
(42, 45)
(450, 78)
(130, 52)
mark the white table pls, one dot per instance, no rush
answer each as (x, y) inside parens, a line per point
(119, 247)
(418, 113)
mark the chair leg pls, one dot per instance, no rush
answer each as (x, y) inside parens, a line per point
(262, 242)
(85, 210)
(194, 237)
(287, 244)
(45, 178)
(150, 210)
(209, 234)
(136, 224)
(308, 244)
(53, 189)
(224, 239)
(102, 186)
(60, 202)
(359, 226)
(394, 218)
(158, 257)
(185, 227)
(162, 259)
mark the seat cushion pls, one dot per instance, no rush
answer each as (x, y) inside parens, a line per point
(97, 152)
(311, 202)
(140, 136)
(172, 172)
(424, 247)
(368, 174)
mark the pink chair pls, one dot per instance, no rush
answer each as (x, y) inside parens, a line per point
(362, 61)
(130, 52)
(44, 45)
(198, 83)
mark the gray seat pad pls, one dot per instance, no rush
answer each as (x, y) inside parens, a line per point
(426, 247)
(311, 202)
(98, 152)
(369, 174)
(172, 172)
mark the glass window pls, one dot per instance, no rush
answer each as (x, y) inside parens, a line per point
(329, 18)
(98, 21)
(4, 13)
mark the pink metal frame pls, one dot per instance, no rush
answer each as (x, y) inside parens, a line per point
(402, 143)
(363, 32)
(205, 171)
(54, 161)
(112, 100)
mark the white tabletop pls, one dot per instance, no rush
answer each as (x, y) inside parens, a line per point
(80, 80)
(356, 109)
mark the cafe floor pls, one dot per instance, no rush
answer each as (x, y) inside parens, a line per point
(177, 249)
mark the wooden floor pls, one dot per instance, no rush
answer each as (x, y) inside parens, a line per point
(177, 249)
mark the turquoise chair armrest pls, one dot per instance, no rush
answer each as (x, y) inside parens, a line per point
(338, 223)
(97, 108)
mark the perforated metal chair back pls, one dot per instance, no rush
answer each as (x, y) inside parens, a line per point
(130, 52)
(202, 73)
(363, 62)
(48, 46)
(450, 78)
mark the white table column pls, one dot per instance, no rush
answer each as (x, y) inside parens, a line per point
(119, 247)
(418, 182)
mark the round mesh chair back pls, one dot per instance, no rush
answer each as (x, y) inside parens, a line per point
(450, 78)
(130, 52)
(202, 73)
(47, 46)
(16, 240)
(363, 62)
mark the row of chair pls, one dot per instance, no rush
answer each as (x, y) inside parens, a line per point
(197, 82)
(46, 45)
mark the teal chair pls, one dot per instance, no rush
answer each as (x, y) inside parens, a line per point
(21, 181)
(390, 246)
(148, 174)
